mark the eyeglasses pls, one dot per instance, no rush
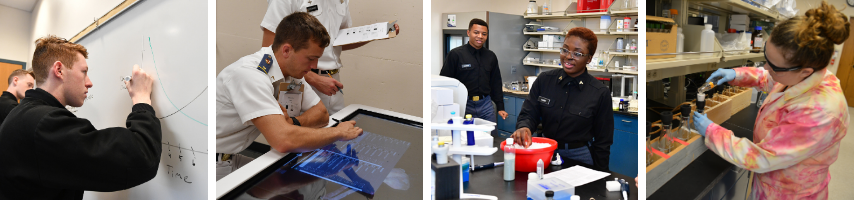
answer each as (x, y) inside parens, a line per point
(779, 69)
(574, 54)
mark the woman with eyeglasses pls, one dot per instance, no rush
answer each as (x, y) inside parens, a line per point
(798, 131)
(574, 107)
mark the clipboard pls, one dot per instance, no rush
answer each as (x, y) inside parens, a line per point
(366, 33)
(290, 97)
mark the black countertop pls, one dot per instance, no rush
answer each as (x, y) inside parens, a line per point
(699, 177)
(526, 96)
(491, 181)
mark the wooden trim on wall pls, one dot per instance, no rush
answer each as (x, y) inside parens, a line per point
(104, 19)
(24, 64)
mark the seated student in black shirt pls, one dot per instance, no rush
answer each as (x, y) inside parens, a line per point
(49, 153)
(574, 108)
(19, 81)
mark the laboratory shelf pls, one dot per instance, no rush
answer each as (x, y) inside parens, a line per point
(541, 65)
(737, 6)
(614, 71)
(624, 12)
(544, 50)
(543, 33)
(624, 33)
(567, 15)
(680, 60)
(622, 53)
(752, 56)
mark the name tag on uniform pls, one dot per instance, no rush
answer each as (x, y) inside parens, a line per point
(311, 8)
(466, 66)
(544, 100)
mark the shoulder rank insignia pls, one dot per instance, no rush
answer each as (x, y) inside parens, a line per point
(265, 64)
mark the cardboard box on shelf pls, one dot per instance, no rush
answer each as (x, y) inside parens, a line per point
(661, 42)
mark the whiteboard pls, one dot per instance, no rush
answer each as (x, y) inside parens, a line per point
(169, 40)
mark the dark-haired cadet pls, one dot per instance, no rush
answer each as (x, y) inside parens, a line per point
(246, 107)
(573, 106)
(477, 68)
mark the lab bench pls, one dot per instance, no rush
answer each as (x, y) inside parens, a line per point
(710, 177)
(624, 150)
(491, 181)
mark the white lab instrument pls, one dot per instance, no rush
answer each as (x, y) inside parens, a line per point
(613, 186)
(537, 189)
(456, 151)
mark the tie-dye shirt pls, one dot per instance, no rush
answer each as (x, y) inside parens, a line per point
(796, 134)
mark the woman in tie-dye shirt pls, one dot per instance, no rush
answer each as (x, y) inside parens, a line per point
(805, 116)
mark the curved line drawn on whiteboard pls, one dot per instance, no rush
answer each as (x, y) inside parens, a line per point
(164, 89)
(188, 103)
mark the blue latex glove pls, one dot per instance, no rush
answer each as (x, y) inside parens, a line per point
(725, 75)
(701, 122)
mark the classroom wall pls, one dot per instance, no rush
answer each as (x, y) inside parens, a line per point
(64, 18)
(15, 34)
(385, 74)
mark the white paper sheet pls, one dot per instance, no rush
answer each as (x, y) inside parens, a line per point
(577, 175)
(361, 34)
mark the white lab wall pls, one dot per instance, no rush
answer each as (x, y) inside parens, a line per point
(804, 5)
(385, 74)
(501, 6)
(64, 18)
(15, 37)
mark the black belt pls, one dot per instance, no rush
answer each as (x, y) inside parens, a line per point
(570, 145)
(477, 97)
(330, 72)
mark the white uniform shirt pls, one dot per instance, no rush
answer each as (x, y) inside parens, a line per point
(333, 14)
(243, 93)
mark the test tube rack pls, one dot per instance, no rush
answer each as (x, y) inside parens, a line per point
(719, 109)
(663, 169)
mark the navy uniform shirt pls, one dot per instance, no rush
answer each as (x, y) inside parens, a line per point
(572, 110)
(7, 102)
(478, 70)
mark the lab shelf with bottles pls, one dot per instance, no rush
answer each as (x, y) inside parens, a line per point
(737, 7)
(692, 61)
(569, 18)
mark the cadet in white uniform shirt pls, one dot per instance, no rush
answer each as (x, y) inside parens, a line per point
(246, 105)
(334, 15)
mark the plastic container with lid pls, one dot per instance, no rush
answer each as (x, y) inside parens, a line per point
(757, 38)
(532, 7)
(673, 13)
(604, 21)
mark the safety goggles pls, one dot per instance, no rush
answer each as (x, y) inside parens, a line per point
(779, 69)
(574, 54)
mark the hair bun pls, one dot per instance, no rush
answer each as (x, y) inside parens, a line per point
(826, 21)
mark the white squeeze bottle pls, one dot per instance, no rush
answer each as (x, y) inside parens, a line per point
(509, 160)
(680, 40)
(707, 40)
